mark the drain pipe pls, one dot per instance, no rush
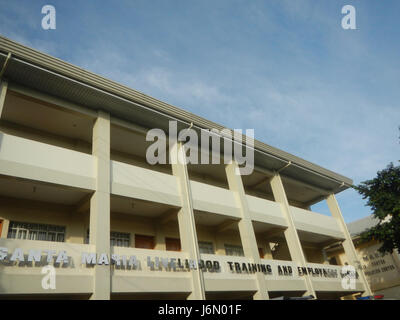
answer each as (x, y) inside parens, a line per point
(284, 167)
(3, 69)
(190, 127)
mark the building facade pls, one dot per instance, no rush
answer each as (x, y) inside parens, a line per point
(83, 215)
(382, 271)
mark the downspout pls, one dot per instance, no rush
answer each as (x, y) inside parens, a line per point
(3, 69)
(284, 167)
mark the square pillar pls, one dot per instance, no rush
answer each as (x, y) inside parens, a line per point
(100, 205)
(4, 231)
(246, 230)
(186, 221)
(347, 244)
(291, 235)
(3, 92)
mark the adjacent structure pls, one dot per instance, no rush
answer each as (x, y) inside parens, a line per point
(84, 215)
(381, 270)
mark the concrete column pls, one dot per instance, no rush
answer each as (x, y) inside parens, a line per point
(246, 230)
(100, 205)
(4, 232)
(3, 92)
(186, 222)
(132, 240)
(348, 245)
(291, 236)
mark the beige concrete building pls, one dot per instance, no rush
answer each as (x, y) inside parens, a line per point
(77, 193)
(382, 271)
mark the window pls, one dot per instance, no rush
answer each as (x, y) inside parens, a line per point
(333, 261)
(206, 247)
(172, 244)
(144, 242)
(34, 231)
(231, 250)
(119, 239)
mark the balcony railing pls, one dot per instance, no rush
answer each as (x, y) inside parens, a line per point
(39, 161)
(132, 181)
(313, 222)
(142, 270)
(231, 275)
(284, 276)
(327, 277)
(25, 277)
(150, 271)
(263, 210)
(213, 199)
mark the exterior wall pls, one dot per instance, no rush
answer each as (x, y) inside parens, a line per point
(218, 239)
(45, 163)
(25, 278)
(305, 222)
(44, 213)
(382, 272)
(77, 224)
(138, 162)
(313, 255)
(144, 184)
(46, 137)
(143, 226)
(102, 173)
(267, 211)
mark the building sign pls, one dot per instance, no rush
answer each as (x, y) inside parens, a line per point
(44, 257)
(33, 256)
(380, 269)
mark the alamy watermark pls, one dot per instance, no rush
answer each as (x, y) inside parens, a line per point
(349, 20)
(196, 150)
(49, 20)
(49, 280)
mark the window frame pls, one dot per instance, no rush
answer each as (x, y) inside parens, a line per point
(173, 240)
(232, 248)
(36, 231)
(147, 237)
(123, 237)
(126, 234)
(211, 247)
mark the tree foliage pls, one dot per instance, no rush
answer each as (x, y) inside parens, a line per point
(383, 194)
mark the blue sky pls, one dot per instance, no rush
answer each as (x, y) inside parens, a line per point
(285, 68)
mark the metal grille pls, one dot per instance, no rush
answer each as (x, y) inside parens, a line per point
(119, 239)
(206, 247)
(35, 231)
(232, 250)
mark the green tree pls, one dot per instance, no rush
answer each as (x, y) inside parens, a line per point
(383, 194)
